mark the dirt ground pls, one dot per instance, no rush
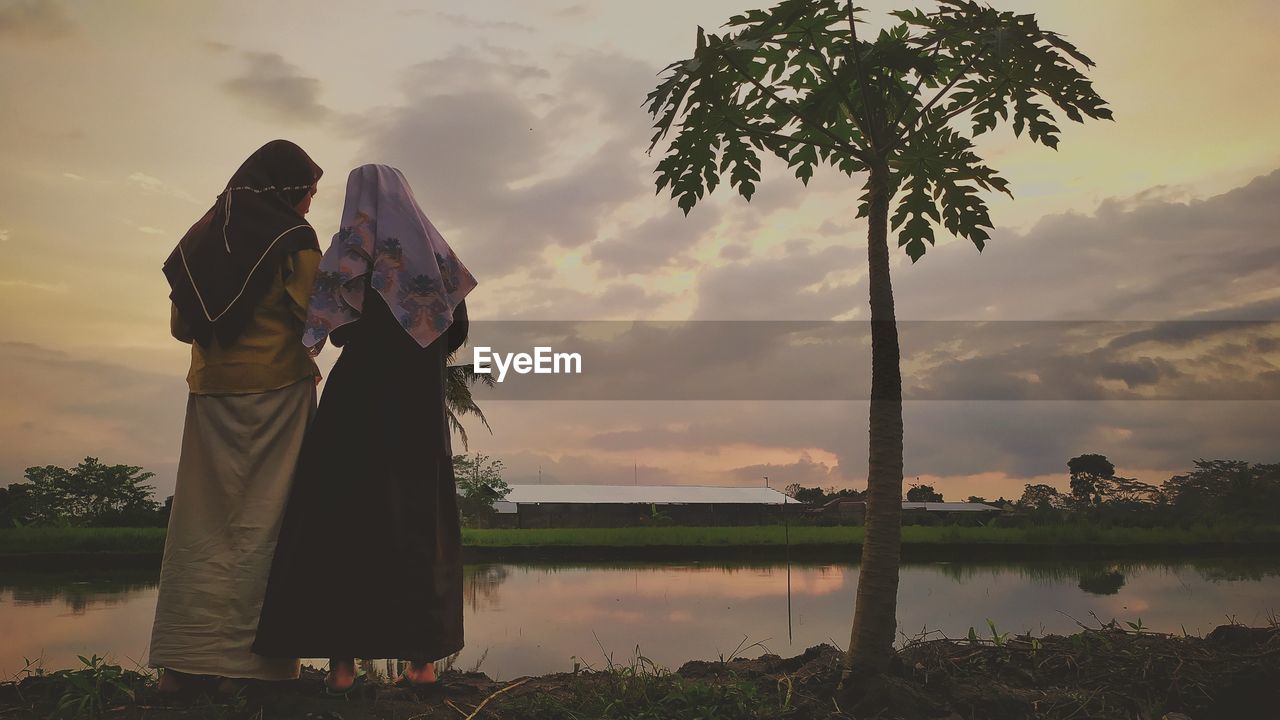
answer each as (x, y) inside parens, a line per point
(1232, 673)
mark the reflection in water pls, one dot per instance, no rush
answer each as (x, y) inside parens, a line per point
(532, 618)
(480, 585)
(1105, 582)
(77, 591)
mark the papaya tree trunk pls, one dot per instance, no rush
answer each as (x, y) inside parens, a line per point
(875, 611)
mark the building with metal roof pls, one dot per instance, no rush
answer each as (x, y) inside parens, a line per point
(647, 494)
(620, 505)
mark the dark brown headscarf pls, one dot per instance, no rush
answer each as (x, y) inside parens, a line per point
(223, 265)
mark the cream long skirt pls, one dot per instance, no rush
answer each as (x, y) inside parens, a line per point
(238, 456)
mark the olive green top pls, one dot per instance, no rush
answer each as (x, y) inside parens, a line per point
(269, 354)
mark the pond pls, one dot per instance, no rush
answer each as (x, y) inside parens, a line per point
(524, 619)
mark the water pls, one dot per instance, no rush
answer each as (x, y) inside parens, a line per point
(532, 619)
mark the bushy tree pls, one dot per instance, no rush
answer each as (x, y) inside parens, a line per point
(1094, 484)
(923, 493)
(90, 494)
(15, 505)
(819, 496)
(480, 485)
(1089, 474)
(1040, 497)
(1232, 489)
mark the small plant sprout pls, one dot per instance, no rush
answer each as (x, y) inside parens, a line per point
(998, 638)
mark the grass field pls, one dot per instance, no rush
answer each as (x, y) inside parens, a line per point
(912, 534)
(77, 540)
(151, 540)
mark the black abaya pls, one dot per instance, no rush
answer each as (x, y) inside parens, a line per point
(369, 561)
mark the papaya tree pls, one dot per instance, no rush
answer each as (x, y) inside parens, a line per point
(805, 82)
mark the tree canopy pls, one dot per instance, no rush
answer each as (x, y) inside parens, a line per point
(796, 81)
(89, 494)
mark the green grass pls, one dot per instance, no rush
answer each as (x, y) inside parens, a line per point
(74, 540)
(151, 540)
(644, 536)
(911, 534)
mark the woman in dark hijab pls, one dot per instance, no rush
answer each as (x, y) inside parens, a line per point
(369, 560)
(240, 281)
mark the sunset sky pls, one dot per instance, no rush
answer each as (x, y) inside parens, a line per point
(521, 129)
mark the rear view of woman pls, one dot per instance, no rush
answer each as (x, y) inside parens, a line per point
(369, 559)
(240, 280)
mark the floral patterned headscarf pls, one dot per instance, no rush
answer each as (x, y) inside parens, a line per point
(386, 242)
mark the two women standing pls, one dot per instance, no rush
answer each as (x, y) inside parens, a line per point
(365, 561)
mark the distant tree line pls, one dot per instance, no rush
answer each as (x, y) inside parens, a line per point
(93, 494)
(1215, 490)
(90, 494)
(819, 496)
(915, 493)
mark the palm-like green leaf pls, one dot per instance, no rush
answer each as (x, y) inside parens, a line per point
(458, 400)
(794, 81)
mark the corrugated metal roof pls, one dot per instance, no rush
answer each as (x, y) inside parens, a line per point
(659, 494)
(949, 507)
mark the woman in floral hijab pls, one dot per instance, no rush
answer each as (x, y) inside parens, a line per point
(369, 560)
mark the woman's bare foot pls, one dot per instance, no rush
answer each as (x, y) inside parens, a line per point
(420, 673)
(172, 682)
(342, 674)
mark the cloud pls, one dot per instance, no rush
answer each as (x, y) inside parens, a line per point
(801, 284)
(656, 243)
(1149, 257)
(539, 300)
(36, 20)
(829, 228)
(805, 471)
(38, 286)
(466, 21)
(72, 176)
(535, 467)
(485, 66)
(483, 151)
(278, 90)
(5, 235)
(156, 186)
(575, 12)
